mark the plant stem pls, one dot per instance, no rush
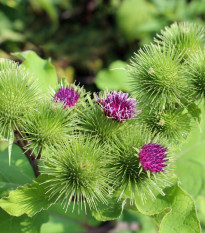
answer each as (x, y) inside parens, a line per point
(104, 227)
(28, 152)
(39, 154)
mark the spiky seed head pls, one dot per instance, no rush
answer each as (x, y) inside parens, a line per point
(77, 173)
(125, 164)
(152, 157)
(118, 106)
(195, 72)
(18, 94)
(67, 95)
(156, 77)
(49, 125)
(172, 125)
(184, 37)
(6, 64)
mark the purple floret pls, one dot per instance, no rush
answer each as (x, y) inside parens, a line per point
(152, 157)
(68, 96)
(118, 106)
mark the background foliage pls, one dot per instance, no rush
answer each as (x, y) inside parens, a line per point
(83, 37)
(90, 41)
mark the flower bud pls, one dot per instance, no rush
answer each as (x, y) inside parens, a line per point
(118, 106)
(139, 164)
(107, 114)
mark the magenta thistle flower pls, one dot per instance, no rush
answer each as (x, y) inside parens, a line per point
(67, 95)
(118, 106)
(152, 157)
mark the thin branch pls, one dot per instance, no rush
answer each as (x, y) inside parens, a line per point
(28, 152)
(39, 154)
(105, 227)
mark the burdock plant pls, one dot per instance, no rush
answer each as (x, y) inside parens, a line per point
(111, 150)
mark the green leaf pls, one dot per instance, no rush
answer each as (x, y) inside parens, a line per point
(132, 15)
(23, 224)
(19, 173)
(113, 78)
(191, 175)
(190, 166)
(194, 111)
(28, 199)
(3, 144)
(111, 211)
(200, 200)
(179, 211)
(158, 217)
(43, 70)
(69, 222)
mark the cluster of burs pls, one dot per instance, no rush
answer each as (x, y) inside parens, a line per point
(95, 146)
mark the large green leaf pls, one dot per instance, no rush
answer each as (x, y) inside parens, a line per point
(3, 143)
(28, 199)
(110, 211)
(42, 69)
(179, 212)
(200, 200)
(113, 78)
(69, 222)
(23, 224)
(191, 160)
(190, 166)
(19, 172)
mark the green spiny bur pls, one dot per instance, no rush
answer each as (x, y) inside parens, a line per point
(6, 64)
(156, 77)
(92, 120)
(49, 125)
(78, 174)
(195, 73)
(184, 37)
(104, 149)
(172, 125)
(125, 170)
(18, 95)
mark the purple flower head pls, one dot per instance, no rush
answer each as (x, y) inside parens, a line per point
(152, 157)
(118, 106)
(67, 95)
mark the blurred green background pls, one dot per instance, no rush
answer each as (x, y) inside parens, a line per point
(90, 41)
(84, 37)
